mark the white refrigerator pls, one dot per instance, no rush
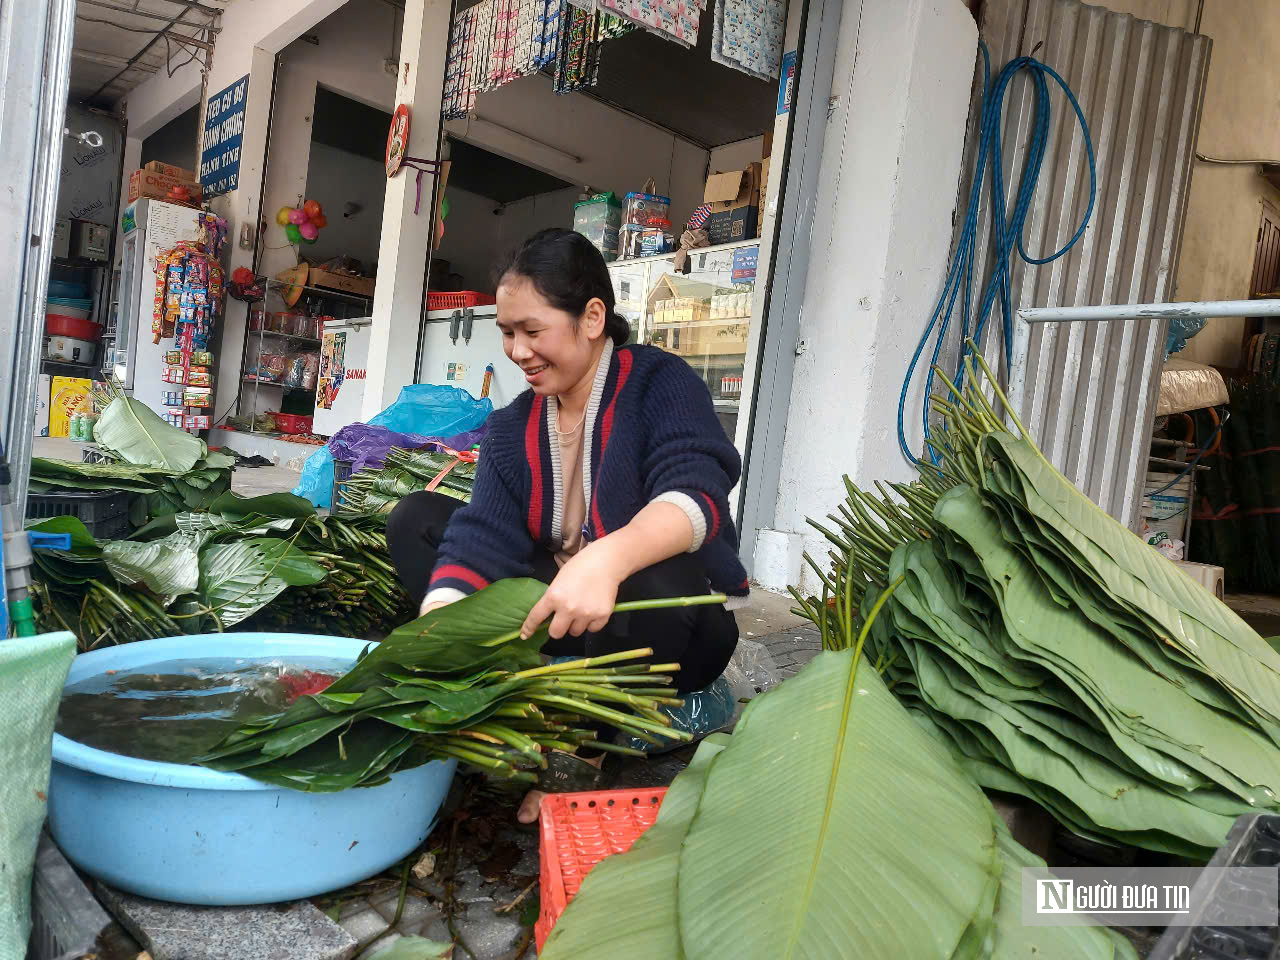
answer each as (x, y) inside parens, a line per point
(458, 346)
(139, 363)
(344, 359)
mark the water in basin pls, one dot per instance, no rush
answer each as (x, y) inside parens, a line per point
(176, 710)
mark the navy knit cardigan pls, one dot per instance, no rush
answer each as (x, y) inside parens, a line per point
(651, 433)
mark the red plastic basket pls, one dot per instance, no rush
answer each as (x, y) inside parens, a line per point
(578, 831)
(292, 423)
(459, 301)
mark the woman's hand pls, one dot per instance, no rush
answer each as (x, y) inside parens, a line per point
(581, 597)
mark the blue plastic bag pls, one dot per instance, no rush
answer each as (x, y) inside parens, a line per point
(427, 409)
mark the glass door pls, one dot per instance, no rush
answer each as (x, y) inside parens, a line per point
(704, 316)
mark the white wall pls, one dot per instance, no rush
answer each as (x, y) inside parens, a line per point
(474, 237)
(617, 152)
(334, 178)
(348, 60)
(736, 156)
(890, 169)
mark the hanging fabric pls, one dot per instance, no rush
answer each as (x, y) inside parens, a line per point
(748, 36)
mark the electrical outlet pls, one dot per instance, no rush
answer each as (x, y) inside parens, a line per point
(246, 236)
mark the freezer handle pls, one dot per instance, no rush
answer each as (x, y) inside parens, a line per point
(468, 320)
(455, 323)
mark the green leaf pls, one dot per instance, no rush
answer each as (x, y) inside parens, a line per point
(415, 948)
(274, 505)
(851, 779)
(134, 431)
(238, 579)
(167, 567)
(476, 631)
(627, 904)
(81, 539)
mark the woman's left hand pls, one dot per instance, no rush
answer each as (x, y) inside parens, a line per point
(581, 597)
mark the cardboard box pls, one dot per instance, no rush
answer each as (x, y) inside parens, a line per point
(42, 405)
(62, 238)
(734, 198)
(69, 395)
(148, 183)
(169, 170)
(361, 286)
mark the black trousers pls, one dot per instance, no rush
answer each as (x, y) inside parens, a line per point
(701, 639)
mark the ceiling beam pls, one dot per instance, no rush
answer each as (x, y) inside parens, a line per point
(109, 60)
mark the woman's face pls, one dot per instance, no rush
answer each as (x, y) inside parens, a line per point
(555, 350)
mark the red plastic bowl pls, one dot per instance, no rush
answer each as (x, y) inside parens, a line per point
(59, 326)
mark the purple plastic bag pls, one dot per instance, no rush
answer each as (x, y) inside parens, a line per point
(366, 445)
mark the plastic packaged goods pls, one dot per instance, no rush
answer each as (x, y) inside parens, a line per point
(644, 208)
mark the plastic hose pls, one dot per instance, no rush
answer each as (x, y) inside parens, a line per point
(1006, 234)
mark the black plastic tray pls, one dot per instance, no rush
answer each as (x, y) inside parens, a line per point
(104, 512)
(1254, 841)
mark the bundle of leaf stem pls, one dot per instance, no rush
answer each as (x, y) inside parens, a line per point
(1057, 654)
(405, 472)
(458, 683)
(248, 563)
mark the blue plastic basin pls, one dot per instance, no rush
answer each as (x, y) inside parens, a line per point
(190, 835)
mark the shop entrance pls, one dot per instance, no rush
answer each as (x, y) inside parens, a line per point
(634, 143)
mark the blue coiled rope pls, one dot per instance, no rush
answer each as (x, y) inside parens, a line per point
(1005, 234)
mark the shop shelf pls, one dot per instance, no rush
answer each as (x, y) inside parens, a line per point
(578, 830)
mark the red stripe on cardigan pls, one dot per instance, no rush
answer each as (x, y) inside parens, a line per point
(715, 517)
(454, 572)
(533, 453)
(606, 427)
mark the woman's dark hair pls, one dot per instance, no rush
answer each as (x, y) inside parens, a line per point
(568, 272)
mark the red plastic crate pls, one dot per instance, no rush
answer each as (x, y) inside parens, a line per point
(459, 301)
(292, 423)
(579, 830)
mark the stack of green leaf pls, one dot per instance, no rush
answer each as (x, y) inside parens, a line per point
(829, 826)
(405, 472)
(459, 682)
(168, 469)
(1059, 656)
(222, 569)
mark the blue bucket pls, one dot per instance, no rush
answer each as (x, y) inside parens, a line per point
(191, 835)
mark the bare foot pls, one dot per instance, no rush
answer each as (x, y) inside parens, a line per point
(531, 806)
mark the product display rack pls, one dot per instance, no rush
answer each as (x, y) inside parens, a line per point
(335, 303)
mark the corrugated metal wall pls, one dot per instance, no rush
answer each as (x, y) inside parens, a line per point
(1090, 392)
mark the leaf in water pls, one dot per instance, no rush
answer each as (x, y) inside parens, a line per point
(134, 431)
(167, 567)
(478, 630)
(238, 579)
(415, 948)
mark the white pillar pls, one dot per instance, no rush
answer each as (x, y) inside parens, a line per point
(889, 179)
(406, 237)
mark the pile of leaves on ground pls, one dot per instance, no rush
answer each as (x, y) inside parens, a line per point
(377, 491)
(169, 470)
(461, 683)
(1236, 518)
(1059, 656)
(246, 563)
(829, 825)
